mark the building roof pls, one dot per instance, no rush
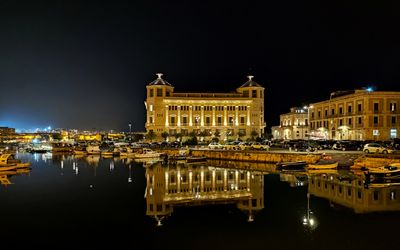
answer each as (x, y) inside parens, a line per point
(160, 81)
(250, 83)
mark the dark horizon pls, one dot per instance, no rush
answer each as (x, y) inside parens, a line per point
(85, 65)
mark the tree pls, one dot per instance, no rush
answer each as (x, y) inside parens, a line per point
(151, 135)
(164, 135)
(217, 133)
(203, 133)
(178, 136)
(241, 133)
(253, 134)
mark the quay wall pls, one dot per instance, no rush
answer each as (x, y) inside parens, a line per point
(250, 156)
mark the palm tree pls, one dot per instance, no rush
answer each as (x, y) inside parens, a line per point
(253, 134)
(151, 135)
(164, 135)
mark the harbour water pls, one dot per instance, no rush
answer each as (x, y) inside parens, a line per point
(90, 202)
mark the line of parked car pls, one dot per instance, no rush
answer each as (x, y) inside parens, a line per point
(239, 145)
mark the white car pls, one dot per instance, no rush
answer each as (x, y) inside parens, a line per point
(215, 145)
(376, 148)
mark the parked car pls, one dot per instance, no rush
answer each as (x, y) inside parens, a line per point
(215, 145)
(347, 145)
(376, 148)
(259, 146)
(233, 145)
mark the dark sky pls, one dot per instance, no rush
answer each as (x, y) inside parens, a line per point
(85, 64)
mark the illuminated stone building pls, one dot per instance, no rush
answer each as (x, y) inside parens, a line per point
(357, 115)
(224, 115)
(293, 125)
(184, 185)
(354, 195)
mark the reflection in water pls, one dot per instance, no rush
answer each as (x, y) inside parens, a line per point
(5, 176)
(176, 185)
(355, 193)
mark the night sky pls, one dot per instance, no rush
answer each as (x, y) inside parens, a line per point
(85, 64)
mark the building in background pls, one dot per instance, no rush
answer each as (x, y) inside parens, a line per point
(293, 125)
(356, 115)
(207, 115)
(7, 131)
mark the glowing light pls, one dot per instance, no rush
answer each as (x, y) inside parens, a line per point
(369, 89)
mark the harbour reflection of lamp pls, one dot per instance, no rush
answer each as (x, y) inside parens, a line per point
(130, 175)
(309, 219)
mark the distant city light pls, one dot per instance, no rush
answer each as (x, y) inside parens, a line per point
(370, 89)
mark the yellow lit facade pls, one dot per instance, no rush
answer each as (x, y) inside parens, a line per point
(225, 115)
(360, 115)
(293, 125)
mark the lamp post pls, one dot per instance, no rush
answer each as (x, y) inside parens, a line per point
(308, 121)
(130, 127)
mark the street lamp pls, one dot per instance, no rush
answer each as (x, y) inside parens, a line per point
(130, 127)
(308, 120)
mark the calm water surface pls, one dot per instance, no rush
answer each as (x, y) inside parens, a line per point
(91, 202)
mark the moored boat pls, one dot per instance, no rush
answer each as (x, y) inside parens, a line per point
(323, 166)
(8, 161)
(291, 166)
(147, 153)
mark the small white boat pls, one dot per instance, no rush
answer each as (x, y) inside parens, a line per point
(147, 153)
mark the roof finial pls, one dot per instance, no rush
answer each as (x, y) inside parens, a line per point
(250, 77)
(159, 75)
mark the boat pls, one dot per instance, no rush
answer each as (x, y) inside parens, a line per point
(7, 168)
(291, 166)
(323, 166)
(147, 153)
(80, 151)
(93, 149)
(8, 161)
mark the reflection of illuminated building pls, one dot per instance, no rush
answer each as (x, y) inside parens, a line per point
(169, 186)
(295, 180)
(353, 194)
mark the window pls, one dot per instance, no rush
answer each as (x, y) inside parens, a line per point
(359, 120)
(168, 93)
(319, 114)
(184, 120)
(393, 133)
(393, 120)
(340, 122)
(376, 120)
(151, 92)
(333, 112)
(349, 109)
(208, 120)
(392, 195)
(246, 93)
(172, 119)
(159, 92)
(151, 119)
(242, 120)
(393, 106)
(340, 110)
(349, 121)
(376, 106)
(254, 93)
(326, 112)
(359, 107)
(376, 195)
(219, 120)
